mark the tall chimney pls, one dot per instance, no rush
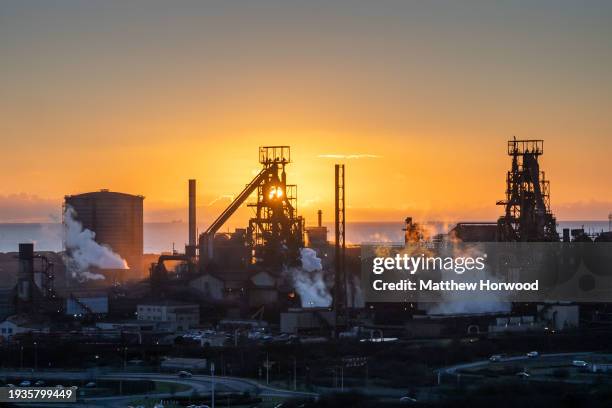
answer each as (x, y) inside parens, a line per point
(25, 276)
(192, 212)
(320, 214)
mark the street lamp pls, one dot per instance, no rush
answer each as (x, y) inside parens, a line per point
(125, 358)
(212, 386)
(35, 356)
(21, 357)
(267, 369)
(294, 373)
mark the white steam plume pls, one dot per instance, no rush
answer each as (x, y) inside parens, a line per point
(84, 252)
(355, 293)
(309, 281)
(455, 303)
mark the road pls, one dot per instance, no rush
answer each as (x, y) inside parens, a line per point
(478, 364)
(199, 383)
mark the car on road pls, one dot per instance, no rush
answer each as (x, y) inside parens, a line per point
(533, 354)
(580, 363)
(496, 358)
(25, 383)
(39, 383)
(90, 384)
(523, 374)
(408, 400)
(184, 374)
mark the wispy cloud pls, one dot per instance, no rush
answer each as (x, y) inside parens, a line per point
(29, 208)
(349, 156)
(221, 197)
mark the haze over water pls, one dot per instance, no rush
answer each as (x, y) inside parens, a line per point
(159, 237)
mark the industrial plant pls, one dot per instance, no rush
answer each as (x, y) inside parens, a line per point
(279, 279)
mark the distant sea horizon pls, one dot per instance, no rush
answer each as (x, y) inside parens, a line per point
(160, 236)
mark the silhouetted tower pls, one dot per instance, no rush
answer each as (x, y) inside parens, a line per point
(527, 205)
(25, 276)
(276, 232)
(34, 290)
(340, 281)
(190, 249)
(192, 212)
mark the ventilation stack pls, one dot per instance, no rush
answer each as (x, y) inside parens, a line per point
(190, 249)
(25, 279)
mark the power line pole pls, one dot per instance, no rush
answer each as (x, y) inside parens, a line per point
(294, 373)
(212, 386)
(267, 369)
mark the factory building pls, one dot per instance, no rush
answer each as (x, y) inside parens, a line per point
(7, 304)
(87, 304)
(117, 221)
(20, 324)
(177, 315)
(316, 237)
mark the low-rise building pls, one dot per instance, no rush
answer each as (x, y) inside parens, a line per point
(180, 316)
(18, 324)
(307, 320)
(210, 286)
(7, 302)
(560, 316)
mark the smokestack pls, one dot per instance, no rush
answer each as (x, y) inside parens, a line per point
(320, 214)
(192, 212)
(566, 235)
(25, 278)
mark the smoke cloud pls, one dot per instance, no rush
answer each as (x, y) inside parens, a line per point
(355, 293)
(454, 303)
(83, 252)
(309, 280)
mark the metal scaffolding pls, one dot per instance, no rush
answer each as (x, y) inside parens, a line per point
(340, 281)
(276, 232)
(527, 204)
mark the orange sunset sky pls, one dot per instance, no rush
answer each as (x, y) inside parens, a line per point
(139, 96)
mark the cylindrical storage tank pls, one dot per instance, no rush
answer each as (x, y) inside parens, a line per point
(117, 221)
